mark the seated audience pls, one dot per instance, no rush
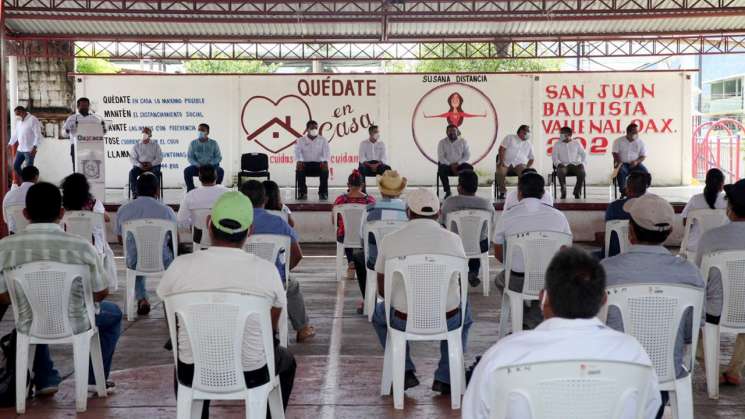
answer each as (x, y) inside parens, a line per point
(468, 184)
(422, 235)
(274, 202)
(200, 198)
(44, 240)
(648, 261)
(146, 205)
(511, 198)
(727, 237)
(573, 295)
(226, 267)
(354, 195)
(636, 185)
(711, 198)
(17, 196)
(530, 214)
(265, 223)
(76, 196)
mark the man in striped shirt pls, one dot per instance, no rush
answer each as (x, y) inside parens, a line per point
(44, 240)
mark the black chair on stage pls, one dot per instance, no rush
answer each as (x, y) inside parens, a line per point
(254, 165)
(554, 179)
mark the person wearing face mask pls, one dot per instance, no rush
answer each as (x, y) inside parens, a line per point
(373, 156)
(312, 154)
(628, 154)
(83, 115)
(145, 156)
(515, 155)
(569, 159)
(202, 151)
(28, 137)
(452, 157)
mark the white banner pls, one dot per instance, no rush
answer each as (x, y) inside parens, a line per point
(266, 113)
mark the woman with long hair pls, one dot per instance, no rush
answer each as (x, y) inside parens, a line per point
(455, 115)
(274, 202)
(711, 198)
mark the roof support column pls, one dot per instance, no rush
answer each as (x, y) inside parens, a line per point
(3, 118)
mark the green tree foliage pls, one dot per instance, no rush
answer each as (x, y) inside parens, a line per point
(224, 66)
(95, 65)
(486, 66)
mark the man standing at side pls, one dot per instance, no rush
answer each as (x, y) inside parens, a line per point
(515, 155)
(28, 137)
(202, 151)
(17, 196)
(452, 157)
(569, 159)
(628, 154)
(146, 156)
(82, 116)
(373, 156)
(312, 154)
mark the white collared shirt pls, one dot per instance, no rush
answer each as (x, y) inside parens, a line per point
(370, 151)
(629, 151)
(516, 150)
(529, 215)
(567, 153)
(451, 152)
(203, 197)
(146, 153)
(556, 339)
(511, 199)
(15, 196)
(27, 134)
(315, 150)
(71, 124)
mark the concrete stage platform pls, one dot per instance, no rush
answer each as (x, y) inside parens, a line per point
(338, 370)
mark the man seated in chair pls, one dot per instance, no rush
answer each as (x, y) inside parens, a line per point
(572, 297)
(628, 154)
(200, 198)
(373, 155)
(452, 157)
(266, 223)
(17, 196)
(146, 156)
(727, 237)
(202, 151)
(569, 159)
(515, 155)
(530, 214)
(648, 261)
(422, 235)
(226, 267)
(146, 205)
(468, 185)
(636, 185)
(44, 240)
(312, 154)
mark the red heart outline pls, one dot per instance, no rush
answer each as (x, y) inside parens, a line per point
(252, 136)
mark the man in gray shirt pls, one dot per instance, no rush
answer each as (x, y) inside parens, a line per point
(452, 157)
(727, 237)
(468, 184)
(649, 262)
(146, 156)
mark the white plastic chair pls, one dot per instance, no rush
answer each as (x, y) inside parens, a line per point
(215, 323)
(577, 389)
(653, 313)
(351, 215)
(537, 249)
(426, 280)
(731, 265)
(46, 287)
(84, 224)
(199, 221)
(270, 247)
(705, 220)
(379, 229)
(15, 213)
(621, 229)
(469, 225)
(149, 235)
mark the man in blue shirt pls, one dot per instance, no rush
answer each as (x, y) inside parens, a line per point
(146, 205)
(636, 185)
(202, 151)
(266, 223)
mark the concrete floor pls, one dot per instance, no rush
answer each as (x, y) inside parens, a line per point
(338, 371)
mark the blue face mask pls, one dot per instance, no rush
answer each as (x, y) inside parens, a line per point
(202, 135)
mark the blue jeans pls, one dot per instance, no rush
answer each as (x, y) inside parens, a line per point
(44, 373)
(22, 156)
(140, 291)
(623, 173)
(192, 171)
(443, 368)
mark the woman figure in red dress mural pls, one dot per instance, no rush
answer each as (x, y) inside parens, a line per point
(455, 115)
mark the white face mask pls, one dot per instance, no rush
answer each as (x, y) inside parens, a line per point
(145, 136)
(635, 137)
(565, 137)
(313, 132)
(527, 136)
(376, 136)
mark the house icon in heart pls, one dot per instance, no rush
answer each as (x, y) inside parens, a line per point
(275, 125)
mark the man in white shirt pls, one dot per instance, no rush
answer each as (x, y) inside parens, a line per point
(17, 196)
(569, 159)
(515, 155)
(628, 154)
(511, 199)
(82, 116)
(201, 198)
(574, 293)
(225, 267)
(452, 157)
(373, 155)
(312, 154)
(529, 215)
(28, 137)
(145, 156)
(422, 235)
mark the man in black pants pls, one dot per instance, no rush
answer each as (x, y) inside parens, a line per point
(452, 157)
(312, 155)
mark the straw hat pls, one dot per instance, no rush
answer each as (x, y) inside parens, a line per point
(391, 183)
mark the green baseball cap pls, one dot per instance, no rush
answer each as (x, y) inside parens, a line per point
(235, 208)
